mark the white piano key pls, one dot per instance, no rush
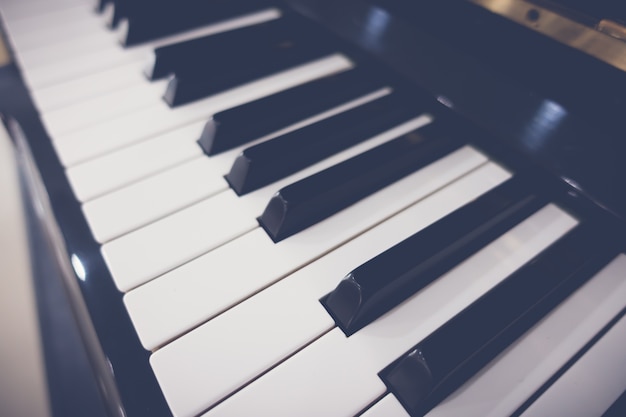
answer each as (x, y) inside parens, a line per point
(503, 386)
(84, 64)
(82, 88)
(51, 28)
(36, 39)
(15, 10)
(388, 406)
(200, 368)
(128, 165)
(125, 130)
(592, 384)
(89, 112)
(174, 240)
(131, 257)
(139, 204)
(46, 54)
(50, 19)
(131, 207)
(337, 376)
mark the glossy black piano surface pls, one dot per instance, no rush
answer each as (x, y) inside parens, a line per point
(549, 112)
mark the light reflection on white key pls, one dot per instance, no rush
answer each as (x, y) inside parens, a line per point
(592, 384)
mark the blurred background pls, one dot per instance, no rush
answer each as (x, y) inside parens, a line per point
(23, 389)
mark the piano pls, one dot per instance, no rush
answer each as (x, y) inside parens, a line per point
(317, 207)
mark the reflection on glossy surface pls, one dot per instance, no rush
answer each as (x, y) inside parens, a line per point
(546, 121)
(375, 26)
(445, 101)
(608, 48)
(79, 268)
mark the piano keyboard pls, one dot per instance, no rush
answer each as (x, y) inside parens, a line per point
(272, 250)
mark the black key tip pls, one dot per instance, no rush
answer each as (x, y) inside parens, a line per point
(171, 96)
(274, 217)
(239, 178)
(410, 380)
(207, 138)
(149, 68)
(288, 212)
(344, 303)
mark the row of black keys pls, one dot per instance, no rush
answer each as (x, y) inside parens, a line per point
(207, 65)
(310, 200)
(451, 355)
(442, 362)
(455, 352)
(265, 49)
(152, 19)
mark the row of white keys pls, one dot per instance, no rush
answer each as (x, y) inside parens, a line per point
(36, 39)
(20, 9)
(131, 207)
(511, 378)
(337, 375)
(202, 367)
(87, 87)
(140, 256)
(99, 96)
(84, 64)
(88, 143)
(88, 112)
(41, 27)
(67, 49)
(97, 38)
(123, 75)
(61, 70)
(592, 384)
(128, 165)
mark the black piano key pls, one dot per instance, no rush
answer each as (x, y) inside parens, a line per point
(312, 199)
(226, 131)
(216, 48)
(267, 162)
(455, 352)
(155, 19)
(378, 285)
(212, 72)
